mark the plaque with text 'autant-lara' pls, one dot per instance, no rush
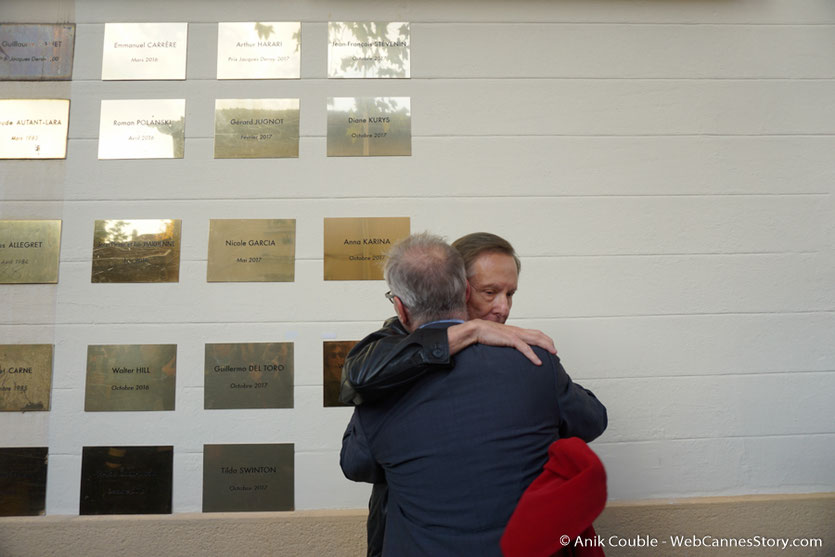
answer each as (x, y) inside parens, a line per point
(25, 377)
(249, 375)
(142, 129)
(369, 49)
(256, 128)
(369, 126)
(251, 250)
(124, 377)
(36, 51)
(34, 128)
(140, 250)
(259, 50)
(29, 251)
(334, 353)
(253, 477)
(137, 51)
(355, 248)
(23, 481)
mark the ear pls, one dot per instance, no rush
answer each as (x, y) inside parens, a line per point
(469, 291)
(402, 312)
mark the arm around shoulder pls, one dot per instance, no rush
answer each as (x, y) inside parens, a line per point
(581, 413)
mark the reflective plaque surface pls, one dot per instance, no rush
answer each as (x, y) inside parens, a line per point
(29, 251)
(146, 250)
(248, 477)
(25, 377)
(142, 129)
(334, 353)
(23, 481)
(36, 51)
(126, 480)
(34, 128)
(144, 51)
(368, 49)
(251, 250)
(369, 126)
(253, 375)
(355, 248)
(259, 50)
(130, 377)
(256, 128)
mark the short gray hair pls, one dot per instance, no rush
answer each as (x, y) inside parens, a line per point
(428, 276)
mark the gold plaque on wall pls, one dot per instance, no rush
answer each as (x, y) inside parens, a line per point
(255, 477)
(259, 50)
(144, 51)
(25, 377)
(251, 250)
(334, 353)
(36, 51)
(29, 251)
(142, 129)
(355, 248)
(23, 481)
(369, 126)
(368, 49)
(34, 128)
(256, 128)
(145, 250)
(130, 377)
(249, 375)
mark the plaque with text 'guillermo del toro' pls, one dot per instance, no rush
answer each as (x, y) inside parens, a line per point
(368, 49)
(251, 250)
(256, 128)
(143, 250)
(124, 377)
(135, 51)
(369, 126)
(25, 377)
(249, 375)
(259, 50)
(334, 353)
(29, 251)
(142, 129)
(34, 128)
(355, 248)
(23, 481)
(255, 477)
(36, 51)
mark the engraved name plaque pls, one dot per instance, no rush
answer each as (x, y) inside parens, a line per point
(23, 481)
(369, 126)
(145, 250)
(334, 353)
(256, 128)
(256, 477)
(355, 248)
(29, 251)
(25, 377)
(135, 51)
(34, 128)
(36, 51)
(368, 49)
(251, 250)
(130, 377)
(253, 375)
(142, 129)
(259, 50)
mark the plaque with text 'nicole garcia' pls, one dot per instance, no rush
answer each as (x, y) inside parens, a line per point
(25, 377)
(334, 353)
(36, 51)
(368, 49)
(124, 377)
(256, 477)
(256, 128)
(259, 50)
(369, 126)
(142, 129)
(143, 250)
(126, 480)
(249, 375)
(251, 250)
(355, 248)
(29, 251)
(34, 128)
(23, 481)
(136, 51)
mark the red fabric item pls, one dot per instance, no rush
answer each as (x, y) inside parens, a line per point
(562, 501)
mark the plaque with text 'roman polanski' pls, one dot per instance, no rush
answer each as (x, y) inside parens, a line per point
(256, 128)
(259, 50)
(137, 51)
(140, 250)
(369, 126)
(29, 251)
(368, 49)
(25, 377)
(355, 248)
(36, 51)
(249, 375)
(142, 129)
(123, 377)
(334, 353)
(34, 128)
(248, 477)
(251, 250)
(23, 481)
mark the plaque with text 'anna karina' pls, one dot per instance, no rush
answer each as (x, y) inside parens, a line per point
(135, 51)
(334, 353)
(355, 248)
(142, 129)
(143, 250)
(255, 477)
(34, 128)
(259, 50)
(36, 51)
(25, 377)
(249, 375)
(368, 49)
(369, 126)
(126, 480)
(125, 377)
(29, 251)
(251, 250)
(23, 481)
(256, 128)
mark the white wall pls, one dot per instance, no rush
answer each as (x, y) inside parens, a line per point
(665, 169)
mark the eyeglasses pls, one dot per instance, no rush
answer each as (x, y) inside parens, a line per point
(390, 297)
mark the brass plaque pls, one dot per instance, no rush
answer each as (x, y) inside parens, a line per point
(23, 481)
(126, 480)
(248, 477)
(334, 353)
(368, 49)
(253, 375)
(34, 128)
(256, 128)
(36, 51)
(124, 377)
(355, 248)
(29, 251)
(251, 250)
(369, 126)
(146, 250)
(144, 51)
(142, 129)
(259, 50)
(25, 377)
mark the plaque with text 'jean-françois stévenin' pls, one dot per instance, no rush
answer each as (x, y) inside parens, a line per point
(334, 353)
(29, 251)
(23, 481)
(249, 375)
(123, 377)
(259, 50)
(251, 250)
(142, 129)
(136, 51)
(34, 128)
(355, 248)
(36, 51)
(256, 128)
(368, 49)
(253, 477)
(369, 126)
(25, 377)
(140, 250)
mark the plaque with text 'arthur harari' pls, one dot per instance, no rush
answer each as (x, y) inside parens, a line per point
(259, 50)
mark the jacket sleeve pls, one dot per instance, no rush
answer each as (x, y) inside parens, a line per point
(355, 459)
(581, 414)
(391, 358)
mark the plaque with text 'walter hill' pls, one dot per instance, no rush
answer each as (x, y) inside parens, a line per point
(23, 481)
(369, 126)
(259, 50)
(249, 375)
(125, 377)
(334, 353)
(255, 477)
(355, 248)
(29, 251)
(142, 129)
(251, 250)
(136, 51)
(25, 377)
(36, 51)
(369, 49)
(34, 128)
(256, 128)
(141, 250)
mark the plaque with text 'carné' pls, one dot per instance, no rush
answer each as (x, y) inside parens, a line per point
(334, 353)
(355, 248)
(124, 377)
(142, 129)
(34, 128)
(368, 49)
(256, 477)
(369, 126)
(259, 50)
(251, 250)
(143, 250)
(256, 128)
(249, 375)
(23, 481)
(36, 51)
(126, 480)
(25, 377)
(29, 251)
(135, 51)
